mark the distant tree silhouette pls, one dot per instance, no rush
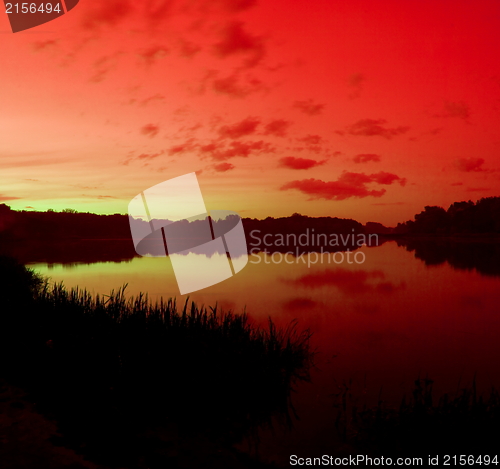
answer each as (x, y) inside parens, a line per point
(56, 233)
(461, 217)
(375, 227)
(432, 219)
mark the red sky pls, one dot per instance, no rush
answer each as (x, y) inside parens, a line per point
(366, 110)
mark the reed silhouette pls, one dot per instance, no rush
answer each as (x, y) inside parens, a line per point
(119, 373)
(460, 423)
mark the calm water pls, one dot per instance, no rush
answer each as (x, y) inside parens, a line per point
(377, 326)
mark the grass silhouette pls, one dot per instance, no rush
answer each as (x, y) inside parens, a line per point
(463, 423)
(116, 372)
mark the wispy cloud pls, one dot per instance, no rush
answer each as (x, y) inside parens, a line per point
(373, 127)
(240, 129)
(471, 164)
(223, 167)
(458, 109)
(309, 107)
(151, 130)
(366, 158)
(153, 54)
(355, 82)
(220, 151)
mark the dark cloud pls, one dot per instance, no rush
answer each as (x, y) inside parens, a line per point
(150, 130)
(42, 45)
(149, 156)
(220, 151)
(156, 11)
(457, 183)
(223, 167)
(366, 157)
(235, 40)
(141, 157)
(188, 49)
(103, 66)
(334, 190)
(209, 148)
(108, 13)
(311, 139)
(356, 81)
(247, 126)
(373, 127)
(387, 178)
(299, 163)
(152, 54)
(157, 98)
(309, 107)
(192, 128)
(181, 148)
(230, 86)
(4, 198)
(470, 164)
(346, 186)
(234, 6)
(312, 144)
(236, 86)
(455, 109)
(244, 149)
(380, 178)
(278, 127)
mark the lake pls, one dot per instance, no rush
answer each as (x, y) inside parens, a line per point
(430, 310)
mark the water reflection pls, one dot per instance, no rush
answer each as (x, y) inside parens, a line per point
(459, 253)
(410, 310)
(347, 281)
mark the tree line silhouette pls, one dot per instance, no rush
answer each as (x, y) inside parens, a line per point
(51, 236)
(70, 224)
(460, 218)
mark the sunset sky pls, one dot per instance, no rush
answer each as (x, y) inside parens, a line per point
(360, 109)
